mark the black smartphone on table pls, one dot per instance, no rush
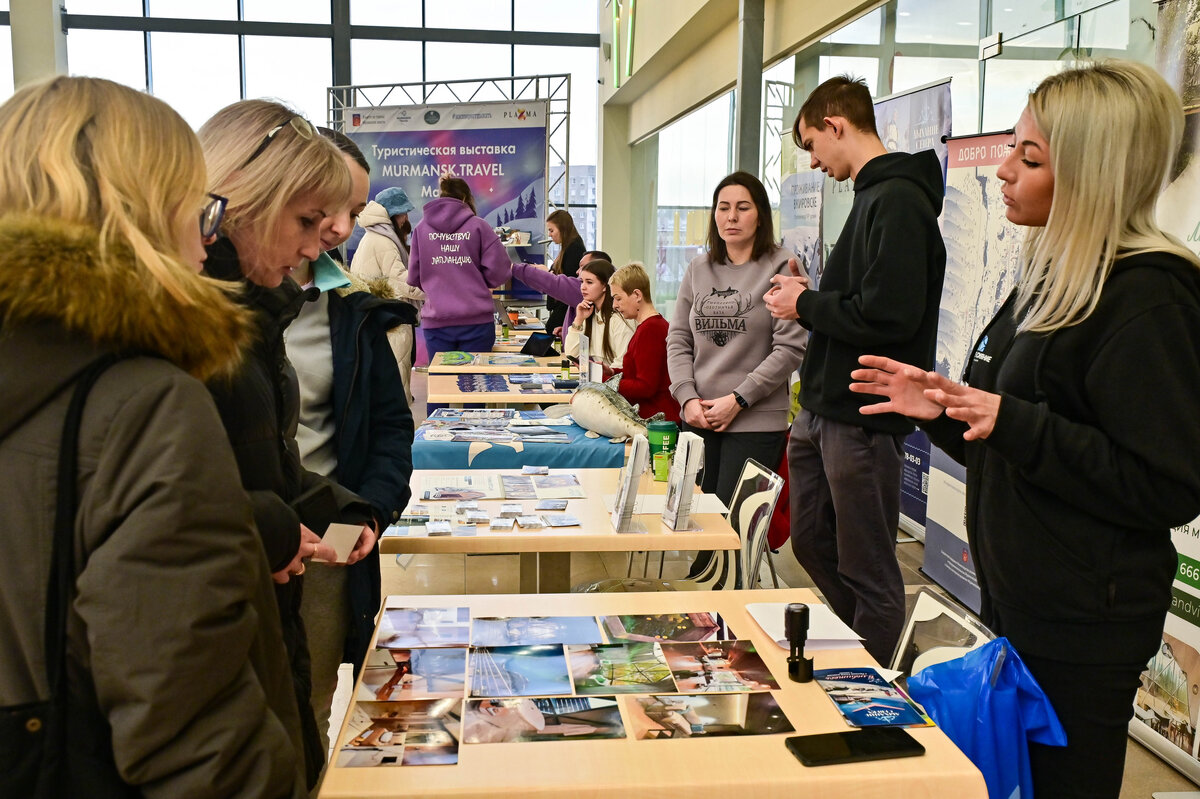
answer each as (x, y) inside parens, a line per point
(872, 743)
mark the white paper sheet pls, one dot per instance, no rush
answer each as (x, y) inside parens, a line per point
(825, 629)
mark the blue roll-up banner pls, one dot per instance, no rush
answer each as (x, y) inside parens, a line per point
(499, 149)
(982, 263)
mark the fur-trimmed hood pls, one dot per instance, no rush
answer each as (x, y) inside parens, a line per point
(51, 271)
(376, 286)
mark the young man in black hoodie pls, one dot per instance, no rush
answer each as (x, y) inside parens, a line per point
(880, 292)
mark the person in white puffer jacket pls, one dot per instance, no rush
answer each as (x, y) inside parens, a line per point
(383, 252)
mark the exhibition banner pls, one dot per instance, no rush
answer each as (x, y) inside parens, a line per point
(982, 263)
(499, 149)
(911, 122)
(1167, 705)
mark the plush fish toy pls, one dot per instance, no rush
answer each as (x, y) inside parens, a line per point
(599, 408)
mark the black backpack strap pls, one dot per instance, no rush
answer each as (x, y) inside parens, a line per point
(62, 559)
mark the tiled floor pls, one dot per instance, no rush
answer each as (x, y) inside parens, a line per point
(1145, 773)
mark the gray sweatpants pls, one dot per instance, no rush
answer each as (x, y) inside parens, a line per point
(845, 507)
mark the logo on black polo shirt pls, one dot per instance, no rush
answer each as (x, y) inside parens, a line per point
(980, 355)
(721, 315)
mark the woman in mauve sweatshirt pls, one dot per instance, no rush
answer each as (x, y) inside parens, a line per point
(457, 259)
(729, 361)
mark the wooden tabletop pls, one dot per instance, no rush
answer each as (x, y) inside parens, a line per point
(595, 533)
(443, 388)
(547, 365)
(747, 767)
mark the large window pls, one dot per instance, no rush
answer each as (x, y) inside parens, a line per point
(116, 55)
(301, 84)
(197, 74)
(219, 51)
(694, 154)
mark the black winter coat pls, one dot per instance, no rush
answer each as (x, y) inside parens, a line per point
(373, 432)
(259, 408)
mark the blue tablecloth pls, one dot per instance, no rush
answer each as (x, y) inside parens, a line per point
(581, 453)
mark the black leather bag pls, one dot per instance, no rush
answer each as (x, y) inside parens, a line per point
(33, 736)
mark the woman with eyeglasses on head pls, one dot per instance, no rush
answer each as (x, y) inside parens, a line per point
(1076, 419)
(282, 180)
(457, 259)
(172, 644)
(354, 427)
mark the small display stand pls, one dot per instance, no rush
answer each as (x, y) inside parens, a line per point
(689, 457)
(623, 519)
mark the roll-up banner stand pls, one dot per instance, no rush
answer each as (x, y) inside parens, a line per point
(1168, 702)
(982, 263)
(499, 149)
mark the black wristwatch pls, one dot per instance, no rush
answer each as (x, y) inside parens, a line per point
(741, 400)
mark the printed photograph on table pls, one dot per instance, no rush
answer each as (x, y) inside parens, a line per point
(488, 721)
(557, 486)
(706, 715)
(416, 674)
(517, 486)
(667, 627)
(421, 733)
(482, 435)
(472, 415)
(634, 668)
(504, 359)
(868, 700)
(519, 671)
(404, 628)
(529, 630)
(718, 666)
(447, 488)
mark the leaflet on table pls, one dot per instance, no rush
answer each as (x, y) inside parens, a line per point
(627, 487)
(541, 486)
(430, 530)
(868, 700)
(537, 377)
(463, 486)
(504, 359)
(689, 457)
(472, 415)
(825, 629)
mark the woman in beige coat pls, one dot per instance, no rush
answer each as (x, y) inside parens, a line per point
(383, 252)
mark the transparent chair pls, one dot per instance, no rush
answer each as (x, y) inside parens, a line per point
(937, 629)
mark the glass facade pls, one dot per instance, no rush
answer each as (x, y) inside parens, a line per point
(239, 55)
(902, 45)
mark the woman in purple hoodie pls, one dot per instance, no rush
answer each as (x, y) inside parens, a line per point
(457, 259)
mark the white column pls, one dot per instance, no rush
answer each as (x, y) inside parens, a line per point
(39, 46)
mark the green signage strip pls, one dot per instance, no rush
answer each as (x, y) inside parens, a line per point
(1186, 606)
(1189, 571)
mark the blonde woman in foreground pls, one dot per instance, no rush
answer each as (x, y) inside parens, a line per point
(173, 645)
(282, 180)
(1076, 416)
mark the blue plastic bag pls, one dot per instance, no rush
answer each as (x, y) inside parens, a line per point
(990, 705)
